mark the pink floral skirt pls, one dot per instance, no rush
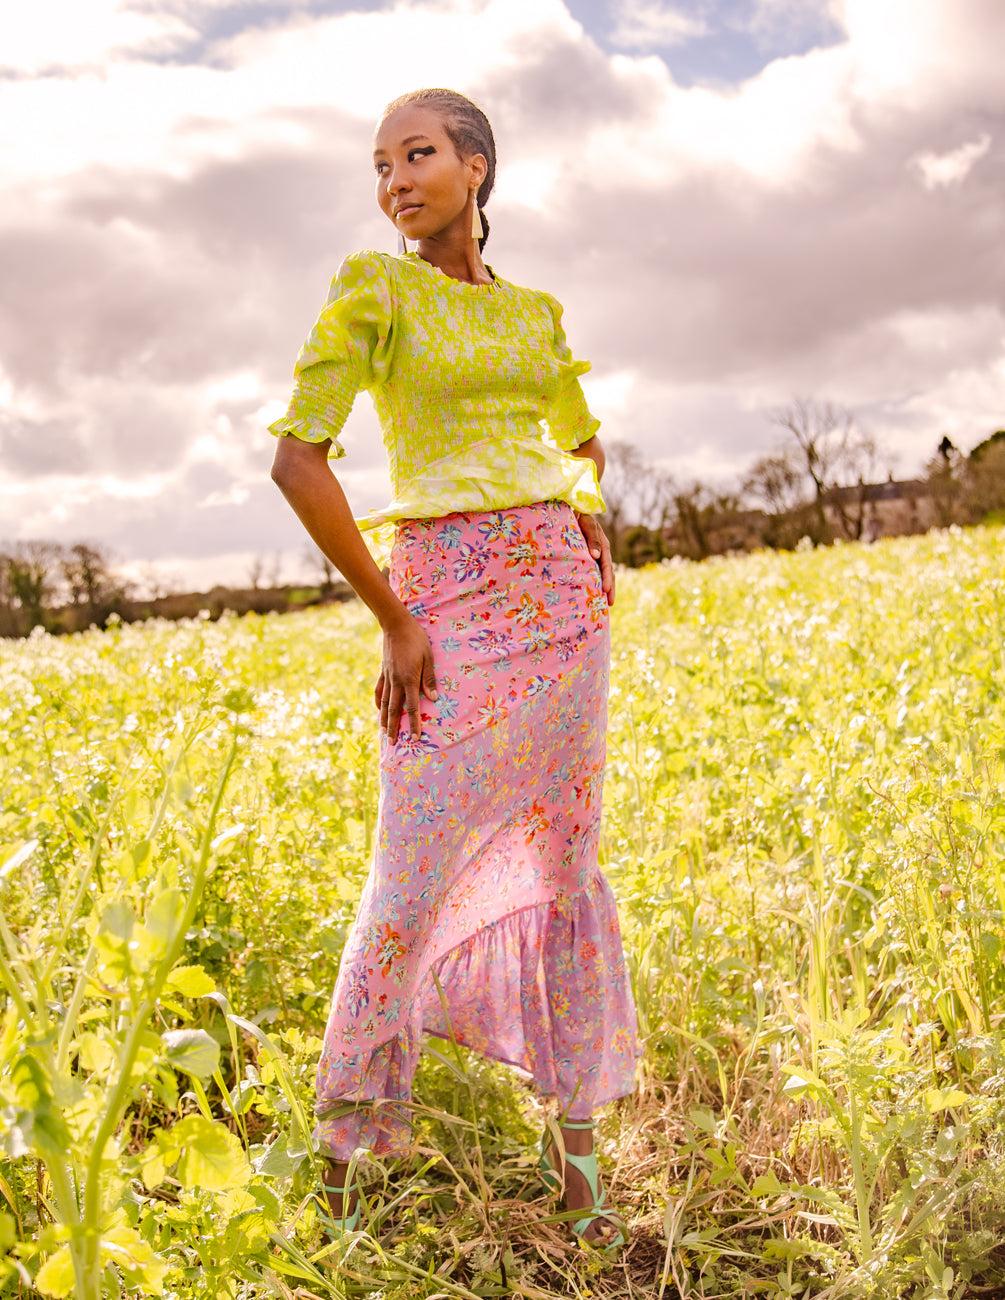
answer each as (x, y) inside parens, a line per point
(485, 914)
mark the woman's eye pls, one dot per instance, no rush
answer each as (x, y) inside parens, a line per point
(420, 153)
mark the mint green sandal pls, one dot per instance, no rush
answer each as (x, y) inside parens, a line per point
(587, 1166)
(334, 1228)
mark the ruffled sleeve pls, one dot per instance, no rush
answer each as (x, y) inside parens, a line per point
(568, 417)
(349, 348)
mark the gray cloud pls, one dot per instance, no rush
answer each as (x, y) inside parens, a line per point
(129, 294)
(561, 92)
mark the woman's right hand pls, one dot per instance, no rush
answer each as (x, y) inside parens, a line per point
(406, 673)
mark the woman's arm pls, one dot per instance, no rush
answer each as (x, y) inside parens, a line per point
(300, 470)
(596, 539)
(592, 449)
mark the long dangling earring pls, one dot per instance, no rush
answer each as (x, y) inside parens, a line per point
(476, 217)
(402, 246)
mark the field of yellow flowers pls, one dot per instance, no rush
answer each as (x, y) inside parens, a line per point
(805, 831)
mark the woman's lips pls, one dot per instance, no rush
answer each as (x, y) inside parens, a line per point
(406, 210)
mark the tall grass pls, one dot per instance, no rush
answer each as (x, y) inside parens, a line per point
(804, 827)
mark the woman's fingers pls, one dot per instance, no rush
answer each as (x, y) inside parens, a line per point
(402, 701)
(395, 705)
(600, 548)
(378, 690)
(412, 709)
(607, 571)
(406, 675)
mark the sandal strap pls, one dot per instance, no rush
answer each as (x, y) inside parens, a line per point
(339, 1225)
(587, 1166)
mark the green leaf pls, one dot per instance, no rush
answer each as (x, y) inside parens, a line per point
(937, 1099)
(239, 699)
(118, 920)
(164, 915)
(267, 1200)
(192, 1050)
(767, 1185)
(95, 1053)
(278, 1161)
(55, 1277)
(140, 1266)
(39, 1123)
(190, 981)
(802, 1081)
(246, 1235)
(210, 1157)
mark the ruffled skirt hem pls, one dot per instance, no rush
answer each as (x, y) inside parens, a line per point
(543, 990)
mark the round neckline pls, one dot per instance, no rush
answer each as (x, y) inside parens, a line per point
(412, 256)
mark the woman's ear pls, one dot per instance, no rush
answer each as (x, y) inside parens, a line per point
(478, 169)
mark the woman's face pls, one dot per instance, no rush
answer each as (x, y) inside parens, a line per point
(422, 185)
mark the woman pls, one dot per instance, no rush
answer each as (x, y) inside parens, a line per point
(484, 914)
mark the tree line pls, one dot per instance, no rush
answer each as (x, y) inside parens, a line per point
(59, 588)
(826, 480)
(70, 588)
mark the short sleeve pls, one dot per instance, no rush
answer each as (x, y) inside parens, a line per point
(348, 349)
(568, 417)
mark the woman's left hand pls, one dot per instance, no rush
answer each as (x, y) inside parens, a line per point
(600, 548)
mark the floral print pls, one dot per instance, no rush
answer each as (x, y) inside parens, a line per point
(485, 913)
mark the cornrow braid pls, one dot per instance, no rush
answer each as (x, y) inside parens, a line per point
(469, 132)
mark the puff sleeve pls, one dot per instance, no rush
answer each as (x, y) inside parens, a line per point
(349, 348)
(568, 417)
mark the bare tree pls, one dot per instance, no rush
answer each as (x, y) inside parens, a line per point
(641, 504)
(704, 517)
(9, 622)
(624, 476)
(256, 571)
(839, 459)
(945, 478)
(156, 583)
(778, 483)
(273, 570)
(32, 582)
(91, 582)
(320, 570)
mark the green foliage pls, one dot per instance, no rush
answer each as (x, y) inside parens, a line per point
(804, 827)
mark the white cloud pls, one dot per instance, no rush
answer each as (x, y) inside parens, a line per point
(938, 171)
(649, 24)
(167, 232)
(47, 35)
(609, 396)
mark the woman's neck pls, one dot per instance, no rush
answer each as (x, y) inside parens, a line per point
(460, 258)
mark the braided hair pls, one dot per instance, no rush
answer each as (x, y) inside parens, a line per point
(469, 132)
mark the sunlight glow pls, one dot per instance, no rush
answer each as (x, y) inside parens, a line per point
(939, 171)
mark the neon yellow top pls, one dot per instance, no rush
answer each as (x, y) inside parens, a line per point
(476, 391)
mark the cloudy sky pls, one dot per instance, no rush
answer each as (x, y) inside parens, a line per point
(738, 201)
